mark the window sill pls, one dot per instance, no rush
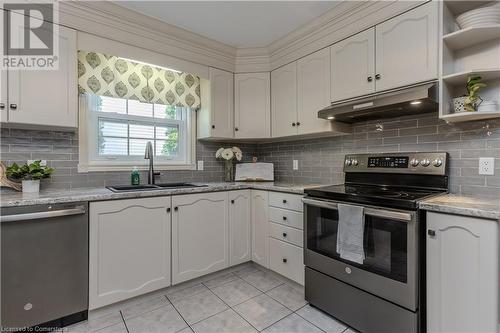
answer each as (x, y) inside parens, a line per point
(82, 168)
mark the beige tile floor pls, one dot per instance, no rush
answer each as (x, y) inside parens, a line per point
(245, 298)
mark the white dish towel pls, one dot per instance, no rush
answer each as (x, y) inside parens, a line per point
(350, 233)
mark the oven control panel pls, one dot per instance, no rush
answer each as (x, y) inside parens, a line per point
(411, 163)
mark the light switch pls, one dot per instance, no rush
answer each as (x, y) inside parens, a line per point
(295, 165)
(200, 165)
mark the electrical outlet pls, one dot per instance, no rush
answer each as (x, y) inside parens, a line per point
(487, 166)
(295, 165)
(42, 162)
(200, 165)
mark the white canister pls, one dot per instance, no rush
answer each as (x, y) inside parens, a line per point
(488, 106)
(31, 186)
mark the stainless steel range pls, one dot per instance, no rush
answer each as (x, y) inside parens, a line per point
(382, 289)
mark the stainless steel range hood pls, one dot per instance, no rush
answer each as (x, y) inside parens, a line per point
(405, 101)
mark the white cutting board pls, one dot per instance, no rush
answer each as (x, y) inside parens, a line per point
(252, 172)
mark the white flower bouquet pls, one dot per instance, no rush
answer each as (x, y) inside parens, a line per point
(229, 155)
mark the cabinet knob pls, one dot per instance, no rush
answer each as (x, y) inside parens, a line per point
(232, 201)
(168, 210)
(284, 234)
(176, 209)
(369, 79)
(213, 126)
(284, 201)
(13, 106)
(293, 124)
(298, 123)
(284, 218)
(2, 106)
(431, 233)
(236, 129)
(378, 76)
(284, 260)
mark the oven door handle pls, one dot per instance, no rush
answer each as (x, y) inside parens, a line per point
(401, 216)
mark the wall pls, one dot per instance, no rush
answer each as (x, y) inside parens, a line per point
(60, 149)
(321, 160)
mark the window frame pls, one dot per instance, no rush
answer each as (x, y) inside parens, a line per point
(89, 160)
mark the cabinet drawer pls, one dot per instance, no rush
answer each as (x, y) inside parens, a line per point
(287, 260)
(286, 234)
(286, 217)
(286, 201)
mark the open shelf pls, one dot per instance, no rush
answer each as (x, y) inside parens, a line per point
(461, 77)
(471, 36)
(469, 116)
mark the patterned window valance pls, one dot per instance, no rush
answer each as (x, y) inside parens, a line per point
(106, 75)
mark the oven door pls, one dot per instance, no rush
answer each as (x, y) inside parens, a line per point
(391, 250)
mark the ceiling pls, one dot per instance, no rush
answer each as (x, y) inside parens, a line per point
(236, 23)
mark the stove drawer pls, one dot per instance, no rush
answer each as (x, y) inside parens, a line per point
(286, 217)
(286, 201)
(287, 260)
(286, 234)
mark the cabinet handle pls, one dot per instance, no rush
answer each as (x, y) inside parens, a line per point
(13, 106)
(293, 124)
(431, 233)
(236, 129)
(378, 76)
(168, 210)
(298, 123)
(232, 201)
(284, 218)
(213, 126)
(284, 234)
(2, 106)
(284, 260)
(284, 201)
(176, 209)
(369, 79)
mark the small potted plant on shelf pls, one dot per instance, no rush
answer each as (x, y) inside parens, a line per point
(471, 101)
(29, 174)
(229, 155)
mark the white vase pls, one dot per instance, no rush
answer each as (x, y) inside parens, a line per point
(458, 104)
(31, 186)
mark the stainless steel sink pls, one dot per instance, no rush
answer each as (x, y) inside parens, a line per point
(134, 188)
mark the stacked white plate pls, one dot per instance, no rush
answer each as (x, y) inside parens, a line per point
(480, 17)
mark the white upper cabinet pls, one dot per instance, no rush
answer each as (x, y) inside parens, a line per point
(129, 248)
(252, 105)
(407, 48)
(3, 97)
(284, 100)
(260, 223)
(313, 91)
(462, 274)
(216, 117)
(47, 97)
(199, 235)
(240, 246)
(353, 66)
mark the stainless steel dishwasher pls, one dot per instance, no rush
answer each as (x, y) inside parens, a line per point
(44, 277)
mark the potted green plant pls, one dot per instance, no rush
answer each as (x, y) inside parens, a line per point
(29, 174)
(471, 101)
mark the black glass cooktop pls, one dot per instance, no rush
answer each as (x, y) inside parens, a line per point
(373, 195)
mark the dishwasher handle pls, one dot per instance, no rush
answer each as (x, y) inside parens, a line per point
(43, 215)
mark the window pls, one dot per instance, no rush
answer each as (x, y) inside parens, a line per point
(117, 131)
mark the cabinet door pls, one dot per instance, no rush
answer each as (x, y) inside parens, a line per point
(47, 97)
(240, 246)
(353, 66)
(199, 235)
(313, 91)
(462, 274)
(252, 105)
(260, 241)
(284, 100)
(129, 252)
(4, 103)
(222, 103)
(407, 48)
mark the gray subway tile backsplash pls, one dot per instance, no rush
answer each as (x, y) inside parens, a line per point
(320, 160)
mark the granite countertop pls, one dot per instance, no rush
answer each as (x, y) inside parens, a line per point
(488, 208)
(16, 199)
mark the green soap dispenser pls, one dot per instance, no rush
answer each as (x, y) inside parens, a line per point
(135, 178)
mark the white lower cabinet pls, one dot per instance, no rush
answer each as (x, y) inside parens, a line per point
(287, 260)
(462, 274)
(199, 235)
(129, 252)
(240, 240)
(260, 216)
